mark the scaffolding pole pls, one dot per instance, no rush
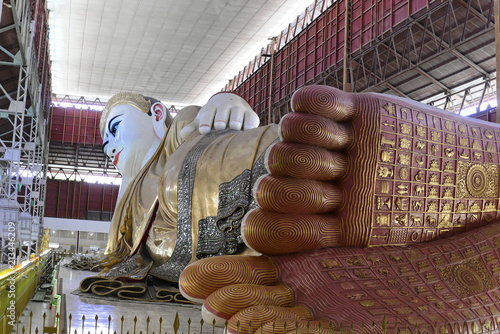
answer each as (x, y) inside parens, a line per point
(22, 169)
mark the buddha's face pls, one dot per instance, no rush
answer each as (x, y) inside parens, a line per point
(128, 136)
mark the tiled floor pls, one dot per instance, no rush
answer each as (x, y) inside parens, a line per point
(90, 307)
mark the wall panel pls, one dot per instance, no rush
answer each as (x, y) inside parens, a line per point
(75, 126)
(74, 200)
(320, 46)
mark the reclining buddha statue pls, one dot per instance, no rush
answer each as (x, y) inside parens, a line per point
(357, 209)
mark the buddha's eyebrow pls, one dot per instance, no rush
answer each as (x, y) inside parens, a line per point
(109, 129)
(111, 121)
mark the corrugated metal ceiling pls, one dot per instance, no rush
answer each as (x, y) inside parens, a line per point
(180, 51)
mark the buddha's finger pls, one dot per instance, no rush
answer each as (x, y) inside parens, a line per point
(251, 120)
(221, 118)
(206, 117)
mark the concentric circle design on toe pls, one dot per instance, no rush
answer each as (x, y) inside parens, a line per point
(305, 161)
(221, 271)
(277, 233)
(294, 326)
(250, 319)
(225, 302)
(296, 196)
(325, 101)
(315, 130)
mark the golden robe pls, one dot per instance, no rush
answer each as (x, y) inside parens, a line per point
(188, 200)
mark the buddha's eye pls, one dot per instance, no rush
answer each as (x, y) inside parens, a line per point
(114, 128)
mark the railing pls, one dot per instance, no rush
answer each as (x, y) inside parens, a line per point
(122, 325)
(18, 285)
(109, 325)
(474, 98)
(57, 321)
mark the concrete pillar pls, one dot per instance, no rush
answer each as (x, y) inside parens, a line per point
(497, 45)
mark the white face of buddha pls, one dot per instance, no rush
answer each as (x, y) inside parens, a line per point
(128, 136)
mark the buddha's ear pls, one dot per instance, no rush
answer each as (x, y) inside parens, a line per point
(159, 114)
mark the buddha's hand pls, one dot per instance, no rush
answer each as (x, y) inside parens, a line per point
(222, 111)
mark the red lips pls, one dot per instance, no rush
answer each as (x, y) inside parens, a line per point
(115, 160)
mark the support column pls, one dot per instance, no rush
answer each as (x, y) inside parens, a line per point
(22, 173)
(347, 84)
(497, 45)
(271, 85)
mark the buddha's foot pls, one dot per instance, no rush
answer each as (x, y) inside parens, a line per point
(441, 285)
(372, 170)
(359, 170)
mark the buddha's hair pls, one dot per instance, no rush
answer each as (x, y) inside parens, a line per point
(141, 102)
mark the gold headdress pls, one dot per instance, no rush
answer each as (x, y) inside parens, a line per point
(133, 99)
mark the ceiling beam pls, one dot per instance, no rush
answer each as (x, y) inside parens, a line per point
(398, 55)
(474, 11)
(388, 85)
(455, 52)
(7, 28)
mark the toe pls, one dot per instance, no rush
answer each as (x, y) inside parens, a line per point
(315, 130)
(277, 233)
(325, 101)
(305, 161)
(203, 277)
(225, 302)
(296, 196)
(282, 326)
(250, 319)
